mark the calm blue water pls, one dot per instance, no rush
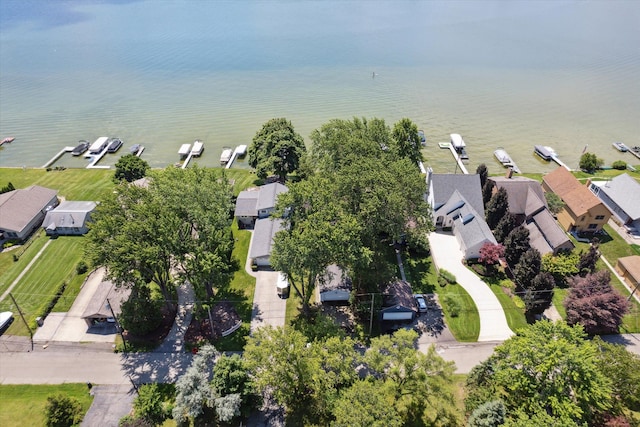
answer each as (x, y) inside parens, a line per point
(162, 73)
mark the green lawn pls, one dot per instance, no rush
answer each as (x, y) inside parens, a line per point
(72, 184)
(10, 269)
(23, 405)
(39, 284)
(240, 292)
(466, 326)
(515, 315)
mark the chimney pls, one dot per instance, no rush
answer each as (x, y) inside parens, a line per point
(509, 173)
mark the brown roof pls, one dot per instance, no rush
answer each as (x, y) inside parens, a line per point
(525, 195)
(632, 265)
(19, 207)
(576, 196)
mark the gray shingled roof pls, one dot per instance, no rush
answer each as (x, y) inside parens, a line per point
(625, 192)
(537, 240)
(470, 226)
(263, 233)
(467, 185)
(401, 294)
(69, 214)
(98, 308)
(19, 207)
(544, 232)
(246, 203)
(269, 195)
(334, 278)
(525, 194)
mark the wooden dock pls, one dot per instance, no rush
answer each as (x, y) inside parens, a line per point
(57, 156)
(555, 158)
(458, 159)
(187, 160)
(96, 158)
(635, 151)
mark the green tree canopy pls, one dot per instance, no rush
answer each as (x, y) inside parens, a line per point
(367, 404)
(554, 202)
(276, 148)
(516, 244)
(130, 167)
(546, 369)
(406, 141)
(590, 162)
(497, 207)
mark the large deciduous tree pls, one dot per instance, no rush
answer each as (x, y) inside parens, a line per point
(130, 167)
(406, 141)
(561, 266)
(554, 202)
(276, 148)
(590, 162)
(547, 370)
(367, 404)
(593, 303)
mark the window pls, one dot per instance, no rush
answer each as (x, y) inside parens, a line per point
(599, 217)
(593, 226)
(582, 219)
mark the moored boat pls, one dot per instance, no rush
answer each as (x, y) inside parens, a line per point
(184, 150)
(134, 149)
(226, 155)
(81, 148)
(99, 145)
(241, 150)
(423, 139)
(620, 147)
(197, 149)
(114, 145)
(503, 157)
(544, 151)
(7, 140)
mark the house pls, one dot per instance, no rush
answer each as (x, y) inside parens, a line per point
(456, 200)
(264, 231)
(398, 302)
(629, 269)
(529, 206)
(621, 196)
(334, 286)
(69, 218)
(256, 203)
(22, 211)
(582, 211)
(106, 302)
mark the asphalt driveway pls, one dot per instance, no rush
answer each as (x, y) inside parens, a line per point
(446, 254)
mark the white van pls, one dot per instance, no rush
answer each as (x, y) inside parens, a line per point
(282, 286)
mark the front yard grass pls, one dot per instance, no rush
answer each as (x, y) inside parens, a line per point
(515, 314)
(23, 405)
(38, 286)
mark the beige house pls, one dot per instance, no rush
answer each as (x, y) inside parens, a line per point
(22, 211)
(629, 269)
(583, 211)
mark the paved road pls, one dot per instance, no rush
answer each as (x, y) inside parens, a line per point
(446, 254)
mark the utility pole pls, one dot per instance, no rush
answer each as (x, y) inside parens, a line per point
(124, 342)
(22, 316)
(373, 296)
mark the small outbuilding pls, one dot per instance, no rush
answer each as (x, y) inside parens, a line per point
(629, 268)
(105, 303)
(334, 286)
(398, 302)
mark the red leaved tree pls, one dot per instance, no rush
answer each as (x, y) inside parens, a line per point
(490, 255)
(594, 304)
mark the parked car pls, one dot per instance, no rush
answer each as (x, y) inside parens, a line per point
(282, 286)
(422, 303)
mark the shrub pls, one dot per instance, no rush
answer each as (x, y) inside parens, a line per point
(448, 276)
(619, 164)
(62, 411)
(81, 268)
(151, 403)
(452, 305)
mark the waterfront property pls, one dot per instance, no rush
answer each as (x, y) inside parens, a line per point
(69, 218)
(456, 201)
(264, 231)
(22, 211)
(256, 203)
(528, 204)
(622, 196)
(582, 211)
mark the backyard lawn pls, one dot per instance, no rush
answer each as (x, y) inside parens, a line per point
(23, 405)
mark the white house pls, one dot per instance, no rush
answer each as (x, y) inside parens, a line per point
(69, 218)
(256, 203)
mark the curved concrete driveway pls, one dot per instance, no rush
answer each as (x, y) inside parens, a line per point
(446, 254)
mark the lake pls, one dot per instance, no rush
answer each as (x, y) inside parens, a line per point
(163, 73)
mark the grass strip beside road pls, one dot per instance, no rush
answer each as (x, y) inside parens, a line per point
(465, 327)
(24, 405)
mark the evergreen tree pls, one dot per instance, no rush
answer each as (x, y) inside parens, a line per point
(490, 414)
(505, 226)
(487, 192)
(588, 260)
(497, 207)
(527, 268)
(483, 172)
(516, 244)
(539, 295)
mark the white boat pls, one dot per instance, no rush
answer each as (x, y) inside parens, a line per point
(5, 318)
(620, 147)
(457, 141)
(544, 151)
(197, 149)
(226, 155)
(99, 145)
(184, 150)
(504, 158)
